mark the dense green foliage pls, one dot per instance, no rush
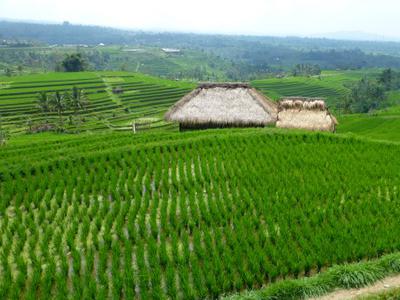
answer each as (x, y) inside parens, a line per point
(390, 79)
(306, 70)
(365, 96)
(74, 63)
(3, 133)
(189, 215)
(75, 101)
(371, 94)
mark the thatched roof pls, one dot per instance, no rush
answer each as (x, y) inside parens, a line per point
(305, 113)
(224, 104)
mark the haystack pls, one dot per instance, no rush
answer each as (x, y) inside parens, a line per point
(223, 105)
(305, 113)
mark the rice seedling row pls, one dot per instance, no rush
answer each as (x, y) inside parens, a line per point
(190, 216)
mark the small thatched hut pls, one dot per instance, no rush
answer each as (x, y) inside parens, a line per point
(223, 105)
(305, 113)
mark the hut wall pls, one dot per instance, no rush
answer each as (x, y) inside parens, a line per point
(306, 119)
(203, 126)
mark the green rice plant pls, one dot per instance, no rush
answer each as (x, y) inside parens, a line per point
(356, 276)
(171, 282)
(292, 289)
(195, 215)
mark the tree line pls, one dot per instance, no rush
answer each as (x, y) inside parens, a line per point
(368, 95)
(58, 102)
(306, 70)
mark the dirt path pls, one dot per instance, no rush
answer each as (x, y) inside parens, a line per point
(381, 286)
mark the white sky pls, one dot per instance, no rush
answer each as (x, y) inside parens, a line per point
(263, 17)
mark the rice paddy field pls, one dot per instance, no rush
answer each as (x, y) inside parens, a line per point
(108, 214)
(331, 85)
(189, 215)
(144, 99)
(381, 125)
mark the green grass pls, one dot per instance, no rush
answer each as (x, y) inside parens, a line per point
(382, 126)
(192, 215)
(390, 294)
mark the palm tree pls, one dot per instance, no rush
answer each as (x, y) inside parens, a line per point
(43, 103)
(3, 134)
(77, 100)
(58, 103)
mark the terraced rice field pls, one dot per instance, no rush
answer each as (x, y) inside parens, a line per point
(330, 88)
(189, 215)
(143, 97)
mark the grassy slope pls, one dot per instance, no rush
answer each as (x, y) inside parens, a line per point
(382, 125)
(330, 85)
(374, 127)
(144, 97)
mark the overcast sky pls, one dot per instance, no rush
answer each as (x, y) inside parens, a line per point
(262, 17)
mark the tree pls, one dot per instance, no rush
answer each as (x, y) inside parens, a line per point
(58, 104)
(77, 100)
(366, 96)
(29, 124)
(8, 72)
(306, 70)
(3, 134)
(74, 63)
(43, 103)
(389, 79)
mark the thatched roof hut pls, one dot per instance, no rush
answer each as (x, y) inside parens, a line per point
(305, 113)
(223, 105)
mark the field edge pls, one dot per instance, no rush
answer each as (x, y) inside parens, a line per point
(346, 276)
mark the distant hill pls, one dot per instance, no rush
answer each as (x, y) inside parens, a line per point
(356, 36)
(231, 57)
(66, 33)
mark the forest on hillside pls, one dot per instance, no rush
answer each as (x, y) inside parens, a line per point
(202, 57)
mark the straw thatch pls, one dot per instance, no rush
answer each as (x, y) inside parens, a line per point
(223, 105)
(305, 113)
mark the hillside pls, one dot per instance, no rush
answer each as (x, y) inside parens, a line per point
(202, 57)
(330, 85)
(144, 99)
(174, 215)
